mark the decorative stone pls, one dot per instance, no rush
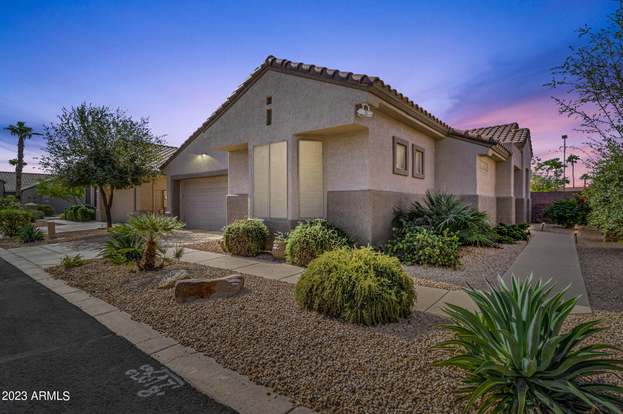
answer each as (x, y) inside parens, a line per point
(172, 276)
(224, 287)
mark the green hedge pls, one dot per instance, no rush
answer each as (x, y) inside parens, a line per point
(79, 212)
(245, 237)
(418, 245)
(568, 213)
(312, 238)
(356, 285)
(13, 219)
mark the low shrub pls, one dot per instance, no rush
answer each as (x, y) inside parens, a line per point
(79, 212)
(510, 233)
(13, 219)
(123, 246)
(312, 238)
(36, 214)
(356, 285)
(568, 213)
(69, 262)
(245, 237)
(47, 209)
(9, 202)
(419, 245)
(518, 358)
(29, 233)
(441, 212)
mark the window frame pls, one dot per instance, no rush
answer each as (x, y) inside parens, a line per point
(415, 149)
(395, 142)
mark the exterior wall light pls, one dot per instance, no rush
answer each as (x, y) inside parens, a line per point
(364, 111)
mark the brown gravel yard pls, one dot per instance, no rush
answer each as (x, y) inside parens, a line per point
(319, 362)
(478, 265)
(93, 235)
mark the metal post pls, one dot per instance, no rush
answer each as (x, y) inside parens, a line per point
(564, 161)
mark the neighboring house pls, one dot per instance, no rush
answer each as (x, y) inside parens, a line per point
(150, 196)
(298, 141)
(29, 189)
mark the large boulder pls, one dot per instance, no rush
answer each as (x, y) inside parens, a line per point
(190, 289)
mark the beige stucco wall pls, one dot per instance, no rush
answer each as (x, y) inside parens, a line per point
(382, 129)
(238, 177)
(143, 198)
(455, 162)
(485, 176)
(298, 105)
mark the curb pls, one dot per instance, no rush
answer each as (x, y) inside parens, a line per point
(202, 372)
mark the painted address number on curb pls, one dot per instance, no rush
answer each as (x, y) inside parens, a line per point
(154, 382)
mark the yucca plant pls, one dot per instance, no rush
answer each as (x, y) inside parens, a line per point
(441, 212)
(151, 228)
(125, 245)
(517, 359)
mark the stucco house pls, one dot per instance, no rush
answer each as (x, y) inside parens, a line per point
(298, 141)
(151, 196)
(29, 189)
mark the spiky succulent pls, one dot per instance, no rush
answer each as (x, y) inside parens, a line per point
(518, 360)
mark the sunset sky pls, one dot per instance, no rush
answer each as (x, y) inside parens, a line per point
(472, 63)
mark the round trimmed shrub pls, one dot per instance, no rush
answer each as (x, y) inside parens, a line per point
(245, 237)
(312, 238)
(418, 245)
(356, 285)
(79, 212)
(13, 219)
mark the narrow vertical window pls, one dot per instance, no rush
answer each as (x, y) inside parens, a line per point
(401, 153)
(418, 161)
(269, 116)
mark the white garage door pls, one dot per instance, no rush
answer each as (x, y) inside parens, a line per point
(203, 203)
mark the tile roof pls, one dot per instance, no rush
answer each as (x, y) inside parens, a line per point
(505, 133)
(164, 152)
(372, 84)
(28, 180)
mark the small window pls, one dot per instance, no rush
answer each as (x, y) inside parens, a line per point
(418, 161)
(269, 116)
(269, 100)
(401, 155)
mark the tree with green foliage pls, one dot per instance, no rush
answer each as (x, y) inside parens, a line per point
(547, 175)
(573, 159)
(584, 177)
(96, 146)
(22, 132)
(591, 84)
(605, 194)
(55, 188)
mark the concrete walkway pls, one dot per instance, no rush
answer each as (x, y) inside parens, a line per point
(553, 256)
(547, 255)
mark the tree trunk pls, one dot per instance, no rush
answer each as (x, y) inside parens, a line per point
(19, 167)
(107, 203)
(149, 256)
(573, 174)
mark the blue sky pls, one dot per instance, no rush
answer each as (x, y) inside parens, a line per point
(472, 63)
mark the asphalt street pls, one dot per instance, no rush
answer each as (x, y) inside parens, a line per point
(56, 359)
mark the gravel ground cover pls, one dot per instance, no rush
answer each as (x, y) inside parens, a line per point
(478, 265)
(319, 362)
(213, 246)
(94, 235)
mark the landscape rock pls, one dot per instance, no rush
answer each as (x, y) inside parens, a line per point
(224, 287)
(172, 276)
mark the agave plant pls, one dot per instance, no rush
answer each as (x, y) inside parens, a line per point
(517, 360)
(152, 227)
(444, 212)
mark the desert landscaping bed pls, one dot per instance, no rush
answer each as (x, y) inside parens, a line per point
(91, 235)
(320, 362)
(478, 265)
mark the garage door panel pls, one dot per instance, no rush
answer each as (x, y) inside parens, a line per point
(203, 202)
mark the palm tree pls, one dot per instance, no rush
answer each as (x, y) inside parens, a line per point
(573, 159)
(151, 228)
(22, 132)
(585, 177)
